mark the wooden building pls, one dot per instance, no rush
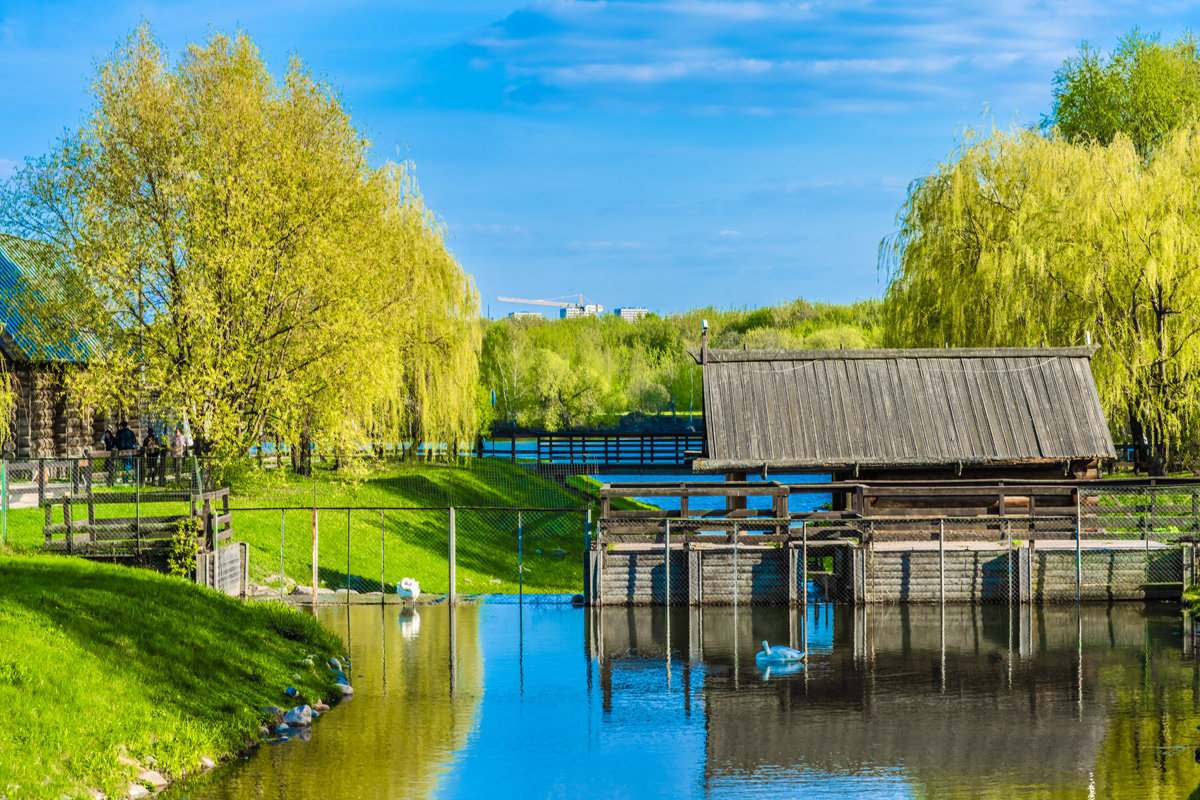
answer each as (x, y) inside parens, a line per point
(1029, 414)
(36, 353)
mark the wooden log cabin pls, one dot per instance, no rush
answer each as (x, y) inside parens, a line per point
(47, 423)
(923, 431)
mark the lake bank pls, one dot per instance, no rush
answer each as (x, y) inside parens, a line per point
(108, 671)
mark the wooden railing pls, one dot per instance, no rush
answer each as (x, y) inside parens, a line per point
(620, 449)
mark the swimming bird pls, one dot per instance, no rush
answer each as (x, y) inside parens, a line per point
(777, 655)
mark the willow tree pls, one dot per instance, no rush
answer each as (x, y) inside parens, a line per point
(1021, 239)
(243, 261)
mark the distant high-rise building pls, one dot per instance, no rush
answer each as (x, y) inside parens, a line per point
(527, 315)
(589, 310)
(631, 313)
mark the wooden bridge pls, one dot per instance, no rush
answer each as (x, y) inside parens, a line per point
(604, 451)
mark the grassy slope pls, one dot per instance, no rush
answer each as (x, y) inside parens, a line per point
(96, 658)
(416, 541)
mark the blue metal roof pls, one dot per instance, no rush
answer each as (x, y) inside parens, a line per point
(34, 328)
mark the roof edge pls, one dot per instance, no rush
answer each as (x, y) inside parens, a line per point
(736, 356)
(707, 465)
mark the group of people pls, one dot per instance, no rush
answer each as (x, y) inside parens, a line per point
(125, 440)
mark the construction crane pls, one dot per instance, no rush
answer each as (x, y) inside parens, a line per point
(572, 305)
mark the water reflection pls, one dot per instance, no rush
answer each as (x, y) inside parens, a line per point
(907, 701)
(418, 680)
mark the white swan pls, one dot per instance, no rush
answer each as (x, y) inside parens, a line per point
(409, 588)
(778, 655)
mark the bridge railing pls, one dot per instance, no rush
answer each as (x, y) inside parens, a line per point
(616, 449)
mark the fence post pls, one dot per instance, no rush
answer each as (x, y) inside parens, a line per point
(667, 569)
(735, 574)
(314, 554)
(1008, 548)
(4, 502)
(804, 569)
(520, 556)
(282, 515)
(382, 560)
(942, 561)
(137, 497)
(347, 556)
(452, 548)
(1079, 553)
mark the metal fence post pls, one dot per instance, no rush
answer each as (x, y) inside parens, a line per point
(382, 560)
(137, 496)
(804, 569)
(735, 574)
(452, 548)
(347, 556)
(282, 517)
(314, 554)
(520, 556)
(1079, 552)
(1008, 548)
(667, 569)
(942, 561)
(4, 501)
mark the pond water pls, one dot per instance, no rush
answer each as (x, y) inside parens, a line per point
(496, 700)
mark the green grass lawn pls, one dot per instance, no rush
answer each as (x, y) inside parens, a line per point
(273, 510)
(98, 660)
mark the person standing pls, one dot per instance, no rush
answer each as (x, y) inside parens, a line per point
(178, 448)
(150, 448)
(127, 443)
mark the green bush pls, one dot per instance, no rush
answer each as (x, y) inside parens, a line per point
(181, 557)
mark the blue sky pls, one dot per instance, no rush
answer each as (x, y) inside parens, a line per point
(668, 153)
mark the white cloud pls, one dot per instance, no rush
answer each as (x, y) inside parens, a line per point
(758, 57)
(729, 233)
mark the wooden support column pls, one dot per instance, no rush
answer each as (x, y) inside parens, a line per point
(793, 577)
(858, 575)
(1025, 572)
(735, 503)
(593, 576)
(695, 583)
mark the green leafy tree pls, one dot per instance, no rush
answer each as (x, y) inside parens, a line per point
(1144, 89)
(243, 259)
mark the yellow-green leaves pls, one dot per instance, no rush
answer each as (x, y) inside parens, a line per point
(249, 266)
(1022, 239)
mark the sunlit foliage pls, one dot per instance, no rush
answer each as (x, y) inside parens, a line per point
(245, 263)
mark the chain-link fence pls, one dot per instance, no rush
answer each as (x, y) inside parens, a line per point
(1112, 542)
(344, 527)
(763, 561)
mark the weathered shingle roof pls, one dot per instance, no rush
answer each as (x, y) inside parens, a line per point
(824, 409)
(30, 331)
